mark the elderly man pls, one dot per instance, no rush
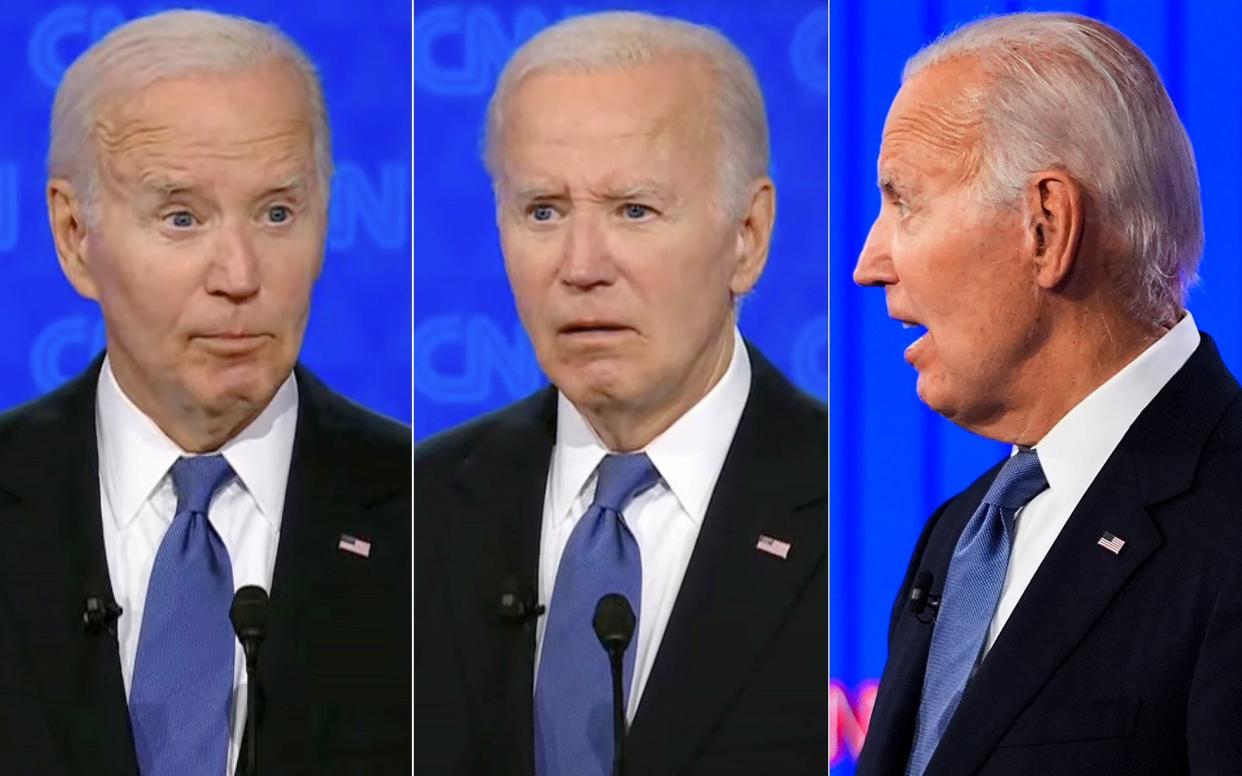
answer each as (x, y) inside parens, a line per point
(668, 462)
(1077, 610)
(188, 192)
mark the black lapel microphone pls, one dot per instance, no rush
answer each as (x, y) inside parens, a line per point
(249, 616)
(99, 614)
(614, 626)
(923, 603)
(519, 604)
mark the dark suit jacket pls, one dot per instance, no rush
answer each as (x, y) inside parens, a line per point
(739, 684)
(335, 665)
(1110, 664)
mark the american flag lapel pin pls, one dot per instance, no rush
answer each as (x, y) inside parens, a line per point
(360, 547)
(1111, 543)
(773, 546)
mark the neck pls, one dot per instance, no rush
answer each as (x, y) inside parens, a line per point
(1084, 350)
(625, 429)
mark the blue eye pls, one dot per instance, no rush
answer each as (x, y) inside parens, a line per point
(181, 219)
(636, 212)
(541, 212)
(279, 214)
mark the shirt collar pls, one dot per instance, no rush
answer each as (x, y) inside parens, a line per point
(688, 454)
(1076, 448)
(135, 454)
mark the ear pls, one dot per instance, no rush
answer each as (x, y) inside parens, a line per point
(68, 219)
(1054, 222)
(754, 237)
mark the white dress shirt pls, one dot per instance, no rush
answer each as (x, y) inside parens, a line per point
(665, 520)
(138, 504)
(1076, 448)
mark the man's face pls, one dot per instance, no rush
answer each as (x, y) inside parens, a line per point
(947, 262)
(207, 237)
(623, 265)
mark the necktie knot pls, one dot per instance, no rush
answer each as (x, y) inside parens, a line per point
(196, 480)
(1020, 480)
(622, 478)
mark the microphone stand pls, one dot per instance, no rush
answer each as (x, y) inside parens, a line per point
(249, 617)
(252, 733)
(614, 623)
(618, 713)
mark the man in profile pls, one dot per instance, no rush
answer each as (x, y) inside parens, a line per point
(1040, 219)
(669, 462)
(189, 174)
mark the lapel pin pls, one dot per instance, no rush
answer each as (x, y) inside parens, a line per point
(360, 547)
(1111, 543)
(773, 546)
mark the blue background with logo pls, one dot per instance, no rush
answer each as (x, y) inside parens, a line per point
(470, 353)
(894, 461)
(358, 339)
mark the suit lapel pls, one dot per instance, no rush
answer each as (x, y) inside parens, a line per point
(334, 477)
(501, 487)
(1074, 585)
(51, 559)
(734, 598)
(890, 732)
(1078, 580)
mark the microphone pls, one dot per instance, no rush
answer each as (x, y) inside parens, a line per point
(519, 604)
(249, 616)
(923, 603)
(614, 626)
(100, 614)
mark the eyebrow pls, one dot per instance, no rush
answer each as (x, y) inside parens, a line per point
(528, 193)
(167, 187)
(293, 185)
(637, 191)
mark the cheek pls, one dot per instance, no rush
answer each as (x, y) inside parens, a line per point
(149, 296)
(531, 271)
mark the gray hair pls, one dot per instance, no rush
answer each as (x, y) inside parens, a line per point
(619, 39)
(167, 45)
(1071, 92)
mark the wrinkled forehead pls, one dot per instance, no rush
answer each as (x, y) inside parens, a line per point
(249, 123)
(664, 101)
(936, 121)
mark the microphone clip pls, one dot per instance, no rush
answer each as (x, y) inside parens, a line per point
(100, 615)
(924, 604)
(519, 605)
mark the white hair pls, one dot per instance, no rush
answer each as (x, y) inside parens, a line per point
(168, 45)
(619, 39)
(1066, 91)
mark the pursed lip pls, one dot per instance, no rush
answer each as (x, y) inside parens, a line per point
(586, 326)
(233, 342)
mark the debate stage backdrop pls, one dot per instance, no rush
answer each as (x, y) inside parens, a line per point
(470, 353)
(893, 461)
(358, 338)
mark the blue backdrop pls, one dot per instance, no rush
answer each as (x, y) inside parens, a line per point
(470, 354)
(358, 339)
(893, 460)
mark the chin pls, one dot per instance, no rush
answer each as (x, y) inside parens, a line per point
(239, 386)
(936, 396)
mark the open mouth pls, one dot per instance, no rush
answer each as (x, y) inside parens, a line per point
(913, 327)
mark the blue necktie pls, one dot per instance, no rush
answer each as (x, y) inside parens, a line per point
(573, 695)
(180, 696)
(971, 592)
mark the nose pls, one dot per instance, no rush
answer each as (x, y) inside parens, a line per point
(234, 269)
(875, 262)
(586, 259)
